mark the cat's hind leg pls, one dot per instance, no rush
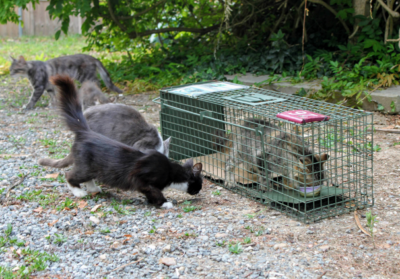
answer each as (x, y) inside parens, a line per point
(91, 187)
(74, 178)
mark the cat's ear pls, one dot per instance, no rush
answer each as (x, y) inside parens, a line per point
(166, 144)
(323, 158)
(188, 164)
(13, 59)
(197, 169)
(22, 59)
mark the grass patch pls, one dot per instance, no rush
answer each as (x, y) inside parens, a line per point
(33, 261)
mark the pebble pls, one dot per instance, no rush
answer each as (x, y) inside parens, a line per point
(167, 261)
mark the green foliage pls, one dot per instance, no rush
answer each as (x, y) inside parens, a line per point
(32, 261)
(235, 248)
(371, 221)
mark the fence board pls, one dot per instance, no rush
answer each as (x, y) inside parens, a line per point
(37, 22)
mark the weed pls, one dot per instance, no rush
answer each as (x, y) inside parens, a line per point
(59, 239)
(247, 240)
(216, 193)
(68, 203)
(250, 216)
(371, 221)
(191, 208)
(187, 202)
(235, 248)
(106, 230)
(153, 230)
(179, 216)
(221, 243)
(148, 213)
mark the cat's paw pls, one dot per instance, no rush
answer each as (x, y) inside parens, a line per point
(92, 188)
(167, 205)
(77, 192)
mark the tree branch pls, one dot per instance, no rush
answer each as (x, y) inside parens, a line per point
(201, 31)
(114, 18)
(391, 12)
(145, 11)
(333, 12)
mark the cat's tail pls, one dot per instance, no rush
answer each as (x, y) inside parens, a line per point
(105, 76)
(59, 164)
(70, 104)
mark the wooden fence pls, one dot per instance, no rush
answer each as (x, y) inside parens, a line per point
(37, 22)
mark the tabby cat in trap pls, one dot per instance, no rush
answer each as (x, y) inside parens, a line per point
(283, 154)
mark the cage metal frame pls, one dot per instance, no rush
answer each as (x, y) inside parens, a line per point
(192, 121)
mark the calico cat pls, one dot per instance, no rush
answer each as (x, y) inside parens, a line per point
(116, 164)
(285, 154)
(121, 123)
(91, 95)
(81, 67)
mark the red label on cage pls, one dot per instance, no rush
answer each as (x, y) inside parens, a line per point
(302, 116)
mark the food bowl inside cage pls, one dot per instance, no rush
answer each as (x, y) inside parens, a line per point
(308, 170)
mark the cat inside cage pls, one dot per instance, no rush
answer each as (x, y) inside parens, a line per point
(277, 156)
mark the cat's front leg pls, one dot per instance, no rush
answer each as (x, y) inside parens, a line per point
(155, 196)
(37, 93)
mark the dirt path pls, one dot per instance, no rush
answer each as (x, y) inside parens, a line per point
(125, 229)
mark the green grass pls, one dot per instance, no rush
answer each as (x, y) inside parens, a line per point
(32, 47)
(191, 208)
(33, 261)
(68, 203)
(37, 196)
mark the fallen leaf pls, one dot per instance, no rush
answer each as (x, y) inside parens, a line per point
(67, 208)
(38, 210)
(97, 206)
(89, 232)
(82, 204)
(122, 222)
(52, 223)
(125, 241)
(52, 175)
(127, 235)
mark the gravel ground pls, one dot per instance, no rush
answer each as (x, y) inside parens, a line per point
(46, 232)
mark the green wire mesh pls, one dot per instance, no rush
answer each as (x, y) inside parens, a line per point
(245, 148)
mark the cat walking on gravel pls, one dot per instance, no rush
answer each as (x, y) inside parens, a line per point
(116, 164)
(81, 67)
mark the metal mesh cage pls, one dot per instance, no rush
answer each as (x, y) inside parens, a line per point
(308, 171)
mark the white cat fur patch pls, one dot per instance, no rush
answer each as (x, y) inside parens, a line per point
(77, 192)
(179, 186)
(167, 205)
(91, 187)
(160, 147)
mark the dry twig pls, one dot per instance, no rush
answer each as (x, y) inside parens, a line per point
(7, 191)
(359, 223)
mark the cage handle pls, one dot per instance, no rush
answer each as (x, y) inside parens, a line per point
(155, 100)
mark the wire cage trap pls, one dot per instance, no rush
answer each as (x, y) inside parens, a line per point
(309, 171)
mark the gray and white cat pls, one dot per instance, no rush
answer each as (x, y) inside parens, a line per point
(91, 95)
(81, 67)
(121, 123)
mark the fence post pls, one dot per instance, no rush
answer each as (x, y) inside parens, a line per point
(19, 24)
